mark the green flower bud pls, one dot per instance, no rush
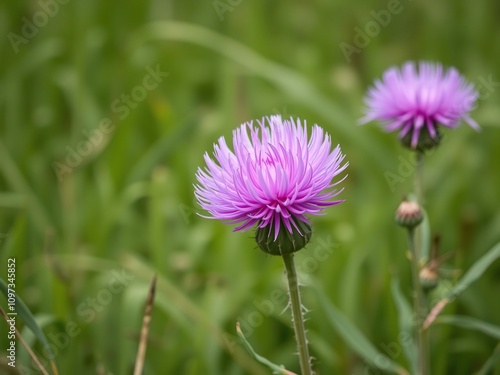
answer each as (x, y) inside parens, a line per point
(409, 214)
(428, 278)
(425, 141)
(286, 242)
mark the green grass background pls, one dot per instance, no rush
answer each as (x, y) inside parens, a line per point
(129, 204)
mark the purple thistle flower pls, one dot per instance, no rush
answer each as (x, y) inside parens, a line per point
(275, 177)
(410, 101)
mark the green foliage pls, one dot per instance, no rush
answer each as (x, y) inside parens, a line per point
(24, 314)
(276, 369)
(471, 323)
(356, 339)
(475, 271)
(406, 322)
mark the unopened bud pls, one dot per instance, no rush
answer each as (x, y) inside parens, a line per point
(429, 278)
(409, 214)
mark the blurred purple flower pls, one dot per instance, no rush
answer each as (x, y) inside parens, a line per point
(409, 101)
(275, 176)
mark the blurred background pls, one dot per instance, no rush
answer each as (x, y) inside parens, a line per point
(106, 110)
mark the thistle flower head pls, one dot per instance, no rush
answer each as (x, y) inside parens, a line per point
(414, 101)
(274, 176)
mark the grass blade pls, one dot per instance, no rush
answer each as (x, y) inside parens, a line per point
(405, 314)
(27, 317)
(476, 271)
(141, 351)
(471, 323)
(25, 344)
(488, 365)
(425, 237)
(355, 338)
(276, 369)
(17, 182)
(471, 275)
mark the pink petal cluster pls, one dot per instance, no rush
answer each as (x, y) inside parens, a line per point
(409, 100)
(275, 175)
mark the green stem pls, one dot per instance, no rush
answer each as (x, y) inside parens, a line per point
(297, 317)
(419, 178)
(419, 308)
(419, 191)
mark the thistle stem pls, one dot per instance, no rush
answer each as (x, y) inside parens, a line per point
(419, 178)
(419, 309)
(419, 192)
(297, 317)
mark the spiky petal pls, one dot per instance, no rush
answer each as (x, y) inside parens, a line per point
(276, 175)
(415, 101)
